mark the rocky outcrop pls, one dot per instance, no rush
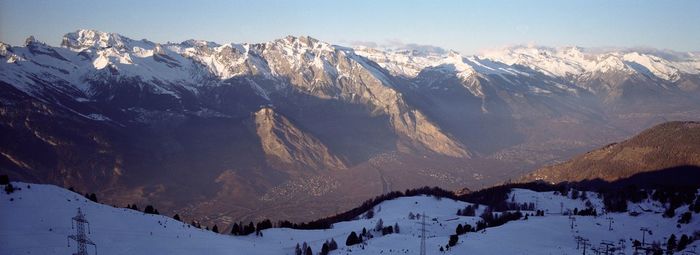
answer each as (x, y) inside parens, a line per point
(286, 145)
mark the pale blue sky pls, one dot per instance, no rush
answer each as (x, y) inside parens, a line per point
(463, 25)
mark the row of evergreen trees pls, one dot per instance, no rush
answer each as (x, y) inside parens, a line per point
(490, 219)
(239, 229)
(469, 210)
(379, 228)
(590, 211)
(328, 246)
(354, 238)
(305, 249)
(678, 245)
(149, 209)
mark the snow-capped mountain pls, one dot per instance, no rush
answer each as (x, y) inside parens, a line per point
(576, 61)
(133, 119)
(102, 65)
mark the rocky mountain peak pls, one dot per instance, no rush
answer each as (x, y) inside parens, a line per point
(296, 46)
(288, 147)
(4, 48)
(266, 113)
(88, 38)
(612, 63)
(198, 43)
(30, 40)
(302, 41)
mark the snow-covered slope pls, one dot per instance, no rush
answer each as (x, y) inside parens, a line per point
(88, 57)
(409, 64)
(37, 220)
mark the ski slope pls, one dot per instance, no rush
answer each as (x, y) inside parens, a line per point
(38, 221)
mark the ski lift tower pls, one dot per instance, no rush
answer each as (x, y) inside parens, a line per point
(78, 223)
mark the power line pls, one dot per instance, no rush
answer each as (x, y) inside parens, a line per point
(561, 210)
(578, 241)
(644, 231)
(584, 243)
(607, 245)
(610, 222)
(572, 219)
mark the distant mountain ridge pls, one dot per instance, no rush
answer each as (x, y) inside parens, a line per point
(665, 146)
(296, 116)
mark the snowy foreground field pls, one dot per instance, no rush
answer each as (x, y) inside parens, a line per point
(38, 221)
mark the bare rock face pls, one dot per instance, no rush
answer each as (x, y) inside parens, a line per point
(285, 145)
(422, 133)
(327, 72)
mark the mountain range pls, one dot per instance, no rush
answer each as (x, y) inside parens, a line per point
(297, 128)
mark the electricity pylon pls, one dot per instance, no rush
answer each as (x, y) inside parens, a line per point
(78, 223)
(422, 236)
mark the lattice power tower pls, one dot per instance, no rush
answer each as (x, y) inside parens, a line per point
(422, 236)
(80, 238)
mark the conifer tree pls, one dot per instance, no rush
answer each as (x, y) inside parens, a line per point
(683, 243)
(297, 250)
(333, 245)
(9, 188)
(369, 214)
(352, 239)
(149, 209)
(685, 218)
(379, 226)
(671, 245)
(324, 249)
(453, 240)
(236, 230)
